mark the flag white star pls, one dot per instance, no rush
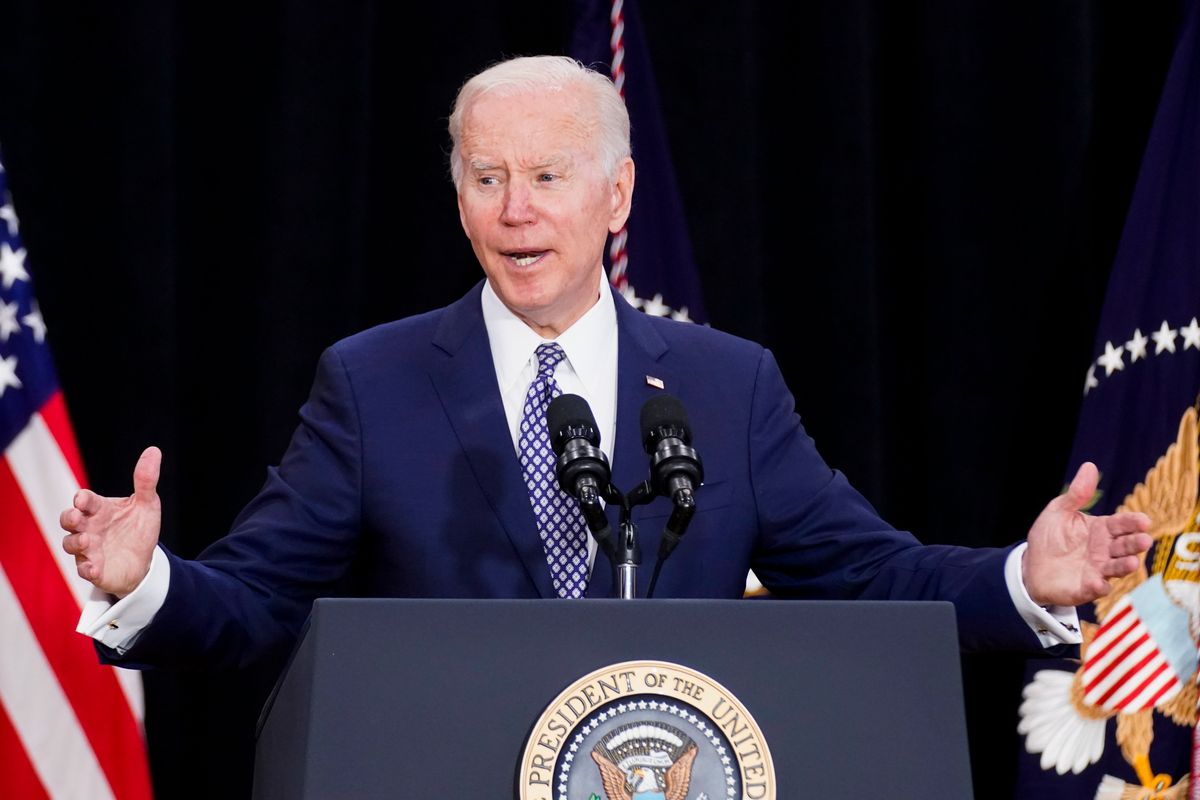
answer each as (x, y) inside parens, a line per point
(1090, 382)
(630, 296)
(681, 315)
(8, 320)
(1191, 335)
(655, 306)
(1164, 339)
(9, 215)
(1111, 360)
(33, 320)
(12, 265)
(8, 374)
(1137, 345)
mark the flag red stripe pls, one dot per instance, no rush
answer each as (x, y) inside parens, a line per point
(16, 772)
(1116, 662)
(54, 413)
(1120, 615)
(1171, 684)
(100, 706)
(1142, 687)
(1099, 654)
(1153, 654)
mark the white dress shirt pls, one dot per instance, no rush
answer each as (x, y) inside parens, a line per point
(589, 370)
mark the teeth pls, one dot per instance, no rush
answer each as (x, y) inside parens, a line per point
(524, 261)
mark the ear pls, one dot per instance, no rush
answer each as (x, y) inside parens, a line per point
(622, 195)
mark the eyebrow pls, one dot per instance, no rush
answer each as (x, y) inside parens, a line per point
(552, 162)
(481, 166)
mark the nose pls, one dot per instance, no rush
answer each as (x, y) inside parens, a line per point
(518, 206)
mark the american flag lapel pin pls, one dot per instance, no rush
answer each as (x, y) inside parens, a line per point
(653, 381)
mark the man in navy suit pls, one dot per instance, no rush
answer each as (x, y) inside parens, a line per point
(418, 467)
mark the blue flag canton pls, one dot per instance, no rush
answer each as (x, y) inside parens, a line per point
(27, 378)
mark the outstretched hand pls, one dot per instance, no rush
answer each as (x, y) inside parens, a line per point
(1071, 555)
(113, 538)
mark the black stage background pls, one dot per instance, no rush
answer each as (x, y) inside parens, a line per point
(914, 205)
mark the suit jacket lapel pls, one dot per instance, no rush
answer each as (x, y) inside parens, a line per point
(465, 380)
(640, 351)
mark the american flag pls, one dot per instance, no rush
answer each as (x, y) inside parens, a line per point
(69, 728)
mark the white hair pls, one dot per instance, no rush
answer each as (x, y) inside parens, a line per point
(548, 73)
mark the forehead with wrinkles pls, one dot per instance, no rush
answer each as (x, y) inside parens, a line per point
(528, 129)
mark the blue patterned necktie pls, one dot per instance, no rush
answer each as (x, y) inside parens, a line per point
(559, 520)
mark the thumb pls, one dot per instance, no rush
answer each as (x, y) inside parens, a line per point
(1083, 486)
(145, 474)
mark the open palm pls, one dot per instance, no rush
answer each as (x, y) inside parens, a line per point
(113, 538)
(1072, 555)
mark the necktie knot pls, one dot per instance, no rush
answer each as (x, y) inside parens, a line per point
(548, 356)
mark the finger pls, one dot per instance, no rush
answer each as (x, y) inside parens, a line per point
(88, 501)
(1120, 567)
(1127, 522)
(1098, 588)
(1129, 544)
(74, 544)
(145, 474)
(1083, 486)
(71, 520)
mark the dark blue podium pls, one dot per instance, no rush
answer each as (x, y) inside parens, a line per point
(437, 698)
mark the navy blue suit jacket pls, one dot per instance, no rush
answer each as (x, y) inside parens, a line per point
(402, 481)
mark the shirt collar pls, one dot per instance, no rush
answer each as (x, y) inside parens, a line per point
(586, 343)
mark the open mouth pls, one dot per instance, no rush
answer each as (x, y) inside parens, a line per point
(523, 258)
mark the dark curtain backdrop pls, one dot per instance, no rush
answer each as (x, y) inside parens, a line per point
(914, 205)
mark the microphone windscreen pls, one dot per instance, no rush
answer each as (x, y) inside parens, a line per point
(570, 412)
(663, 415)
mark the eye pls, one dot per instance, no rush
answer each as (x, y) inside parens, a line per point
(547, 177)
(488, 180)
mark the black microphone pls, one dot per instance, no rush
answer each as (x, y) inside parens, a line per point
(582, 466)
(675, 469)
(675, 466)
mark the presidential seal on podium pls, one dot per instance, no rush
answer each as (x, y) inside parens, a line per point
(646, 730)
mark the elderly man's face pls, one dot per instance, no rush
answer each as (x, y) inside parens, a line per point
(536, 204)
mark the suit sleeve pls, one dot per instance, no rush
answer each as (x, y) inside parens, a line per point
(247, 596)
(819, 538)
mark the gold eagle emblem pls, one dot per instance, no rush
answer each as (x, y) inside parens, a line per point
(645, 761)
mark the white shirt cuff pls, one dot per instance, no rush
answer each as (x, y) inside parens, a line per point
(1054, 625)
(117, 623)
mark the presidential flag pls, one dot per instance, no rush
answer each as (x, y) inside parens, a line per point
(650, 261)
(1118, 723)
(69, 728)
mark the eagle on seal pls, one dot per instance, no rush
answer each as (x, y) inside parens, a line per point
(645, 761)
